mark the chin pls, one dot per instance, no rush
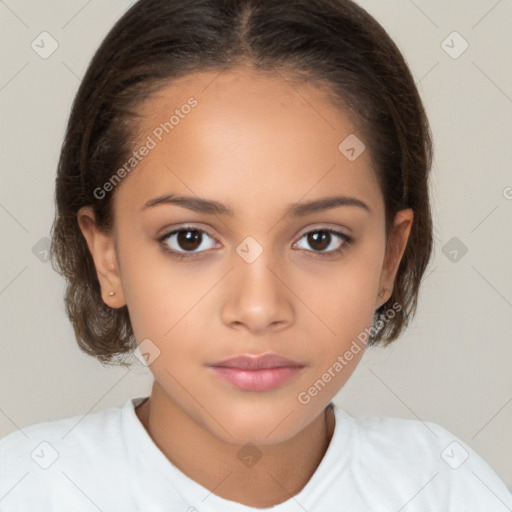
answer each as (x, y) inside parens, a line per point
(265, 424)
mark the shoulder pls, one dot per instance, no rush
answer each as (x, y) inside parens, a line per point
(413, 456)
(51, 455)
(406, 436)
(81, 429)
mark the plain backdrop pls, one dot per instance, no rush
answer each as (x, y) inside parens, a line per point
(452, 366)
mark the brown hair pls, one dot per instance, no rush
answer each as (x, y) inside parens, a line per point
(333, 43)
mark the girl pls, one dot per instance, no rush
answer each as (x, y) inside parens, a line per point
(242, 202)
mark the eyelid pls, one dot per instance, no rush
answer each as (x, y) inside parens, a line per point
(326, 227)
(165, 232)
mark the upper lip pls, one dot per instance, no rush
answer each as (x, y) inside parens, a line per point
(257, 362)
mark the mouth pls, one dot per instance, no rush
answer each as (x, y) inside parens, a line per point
(256, 372)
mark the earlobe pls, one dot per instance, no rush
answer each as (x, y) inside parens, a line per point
(102, 248)
(398, 239)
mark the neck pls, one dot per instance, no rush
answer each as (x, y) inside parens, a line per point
(281, 471)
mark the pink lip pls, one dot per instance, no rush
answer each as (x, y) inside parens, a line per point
(257, 373)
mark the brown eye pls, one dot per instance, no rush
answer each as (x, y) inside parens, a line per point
(319, 240)
(322, 239)
(187, 240)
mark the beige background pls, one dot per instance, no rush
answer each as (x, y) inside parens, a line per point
(453, 364)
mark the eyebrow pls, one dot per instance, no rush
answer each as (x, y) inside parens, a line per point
(211, 207)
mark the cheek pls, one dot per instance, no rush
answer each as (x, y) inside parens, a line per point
(345, 293)
(166, 300)
(151, 289)
(345, 300)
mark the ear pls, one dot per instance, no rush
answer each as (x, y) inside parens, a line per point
(103, 251)
(395, 248)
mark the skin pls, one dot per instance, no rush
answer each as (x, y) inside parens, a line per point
(256, 143)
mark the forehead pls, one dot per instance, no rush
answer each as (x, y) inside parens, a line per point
(236, 135)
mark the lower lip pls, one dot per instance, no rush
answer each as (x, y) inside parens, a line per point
(257, 380)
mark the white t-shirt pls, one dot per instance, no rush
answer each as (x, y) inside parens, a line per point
(107, 461)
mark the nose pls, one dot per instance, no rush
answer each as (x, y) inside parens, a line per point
(256, 297)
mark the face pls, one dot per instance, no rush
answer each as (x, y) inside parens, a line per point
(242, 267)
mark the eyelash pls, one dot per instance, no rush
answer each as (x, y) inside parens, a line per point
(183, 255)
